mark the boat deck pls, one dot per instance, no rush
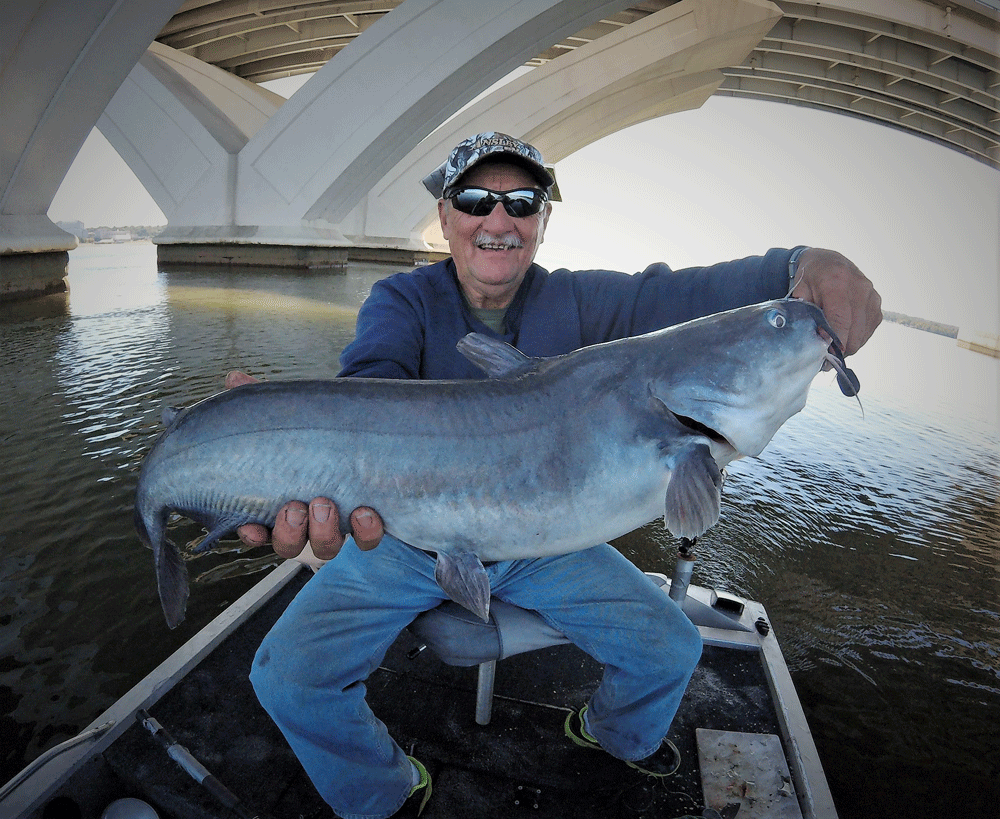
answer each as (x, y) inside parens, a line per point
(520, 764)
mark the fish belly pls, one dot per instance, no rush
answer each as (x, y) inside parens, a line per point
(518, 500)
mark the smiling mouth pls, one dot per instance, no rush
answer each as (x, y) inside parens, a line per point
(487, 242)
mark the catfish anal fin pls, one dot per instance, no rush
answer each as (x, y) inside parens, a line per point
(220, 528)
(463, 578)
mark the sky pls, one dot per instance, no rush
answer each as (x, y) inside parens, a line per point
(730, 179)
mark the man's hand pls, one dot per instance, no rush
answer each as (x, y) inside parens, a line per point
(845, 295)
(317, 524)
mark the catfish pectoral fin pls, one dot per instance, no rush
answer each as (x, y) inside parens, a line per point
(463, 578)
(694, 493)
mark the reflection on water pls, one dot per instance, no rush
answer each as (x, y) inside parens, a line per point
(872, 538)
(86, 377)
(232, 303)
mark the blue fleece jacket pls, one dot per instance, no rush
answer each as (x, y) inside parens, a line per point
(410, 323)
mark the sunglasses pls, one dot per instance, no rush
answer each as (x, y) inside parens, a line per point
(481, 201)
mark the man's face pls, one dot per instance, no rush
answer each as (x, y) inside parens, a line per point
(492, 253)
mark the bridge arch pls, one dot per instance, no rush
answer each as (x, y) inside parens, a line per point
(245, 166)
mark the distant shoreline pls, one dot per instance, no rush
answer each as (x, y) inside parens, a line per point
(146, 233)
(949, 330)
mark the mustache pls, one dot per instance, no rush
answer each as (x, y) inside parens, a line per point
(508, 241)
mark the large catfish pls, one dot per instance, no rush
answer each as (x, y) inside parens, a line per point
(548, 456)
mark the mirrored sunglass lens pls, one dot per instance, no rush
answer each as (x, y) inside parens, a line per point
(474, 201)
(522, 203)
(480, 201)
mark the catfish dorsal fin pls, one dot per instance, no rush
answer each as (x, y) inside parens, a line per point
(495, 358)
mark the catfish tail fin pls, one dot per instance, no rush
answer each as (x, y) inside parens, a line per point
(171, 573)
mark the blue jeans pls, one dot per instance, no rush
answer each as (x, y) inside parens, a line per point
(310, 670)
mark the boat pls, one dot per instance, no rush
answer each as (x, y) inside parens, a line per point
(483, 709)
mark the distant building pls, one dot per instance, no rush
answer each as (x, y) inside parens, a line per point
(103, 235)
(76, 228)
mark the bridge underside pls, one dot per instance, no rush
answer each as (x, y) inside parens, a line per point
(939, 82)
(240, 173)
(930, 67)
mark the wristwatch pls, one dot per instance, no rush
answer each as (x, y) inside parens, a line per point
(793, 266)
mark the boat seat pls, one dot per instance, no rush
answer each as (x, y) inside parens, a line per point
(460, 638)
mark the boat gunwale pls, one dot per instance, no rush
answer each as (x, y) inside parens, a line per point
(811, 786)
(30, 794)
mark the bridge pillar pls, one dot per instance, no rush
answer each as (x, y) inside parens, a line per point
(62, 62)
(326, 147)
(335, 170)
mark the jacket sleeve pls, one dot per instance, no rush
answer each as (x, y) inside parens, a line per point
(617, 305)
(389, 337)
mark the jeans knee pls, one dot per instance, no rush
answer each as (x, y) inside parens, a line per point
(263, 677)
(675, 647)
(689, 644)
(278, 675)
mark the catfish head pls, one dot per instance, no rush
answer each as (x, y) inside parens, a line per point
(736, 377)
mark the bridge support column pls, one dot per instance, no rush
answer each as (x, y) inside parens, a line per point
(244, 179)
(34, 257)
(29, 275)
(62, 60)
(289, 181)
(251, 255)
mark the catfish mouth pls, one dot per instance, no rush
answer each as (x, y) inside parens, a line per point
(701, 429)
(848, 382)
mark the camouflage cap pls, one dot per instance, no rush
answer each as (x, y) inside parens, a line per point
(470, 152)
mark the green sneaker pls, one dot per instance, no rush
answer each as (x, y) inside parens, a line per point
(576, 729)
(663, 762)
(416, 800)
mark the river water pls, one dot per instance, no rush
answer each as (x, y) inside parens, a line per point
(871, 535)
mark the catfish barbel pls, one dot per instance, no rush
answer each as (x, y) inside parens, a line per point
(547, 456)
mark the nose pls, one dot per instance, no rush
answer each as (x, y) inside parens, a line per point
(498, 217)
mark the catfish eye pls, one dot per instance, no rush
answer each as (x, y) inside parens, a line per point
(775, 318)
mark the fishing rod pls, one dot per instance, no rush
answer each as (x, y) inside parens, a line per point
(183, 757)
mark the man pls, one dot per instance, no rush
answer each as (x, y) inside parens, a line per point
(493, 194)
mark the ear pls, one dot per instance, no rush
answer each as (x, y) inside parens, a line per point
(545, 222)
(443, 214)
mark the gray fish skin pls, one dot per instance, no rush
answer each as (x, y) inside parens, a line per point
(547, 457)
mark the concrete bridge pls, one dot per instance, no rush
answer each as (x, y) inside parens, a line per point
(246, 177)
